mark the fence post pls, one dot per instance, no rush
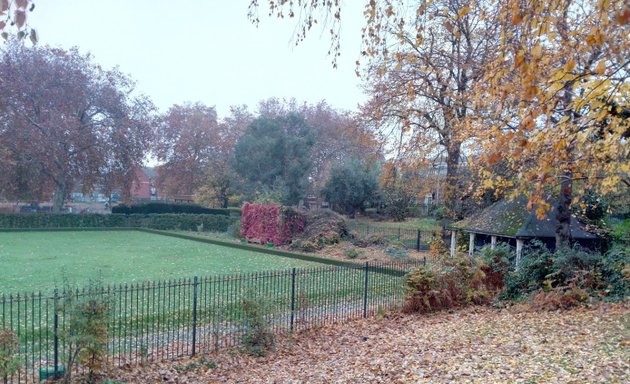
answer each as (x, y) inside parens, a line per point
(292, 299)
(194, 325)
(398, 233)
(365, 291)
(418, 241)
(56, 334)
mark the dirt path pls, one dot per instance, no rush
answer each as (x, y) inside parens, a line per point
(475, 345)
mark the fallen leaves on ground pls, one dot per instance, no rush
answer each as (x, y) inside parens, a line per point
(473, 345)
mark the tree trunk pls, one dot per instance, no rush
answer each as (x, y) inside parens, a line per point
(60, 196)
(563, 213)
(451, 189)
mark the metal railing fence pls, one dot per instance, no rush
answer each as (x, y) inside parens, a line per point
(170, 319)
(412, 238)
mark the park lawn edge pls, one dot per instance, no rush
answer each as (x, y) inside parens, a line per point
(247, 247)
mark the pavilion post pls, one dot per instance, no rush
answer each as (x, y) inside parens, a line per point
(519, 251)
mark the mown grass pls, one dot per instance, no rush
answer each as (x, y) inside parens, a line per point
(41, 261)
(428, 224)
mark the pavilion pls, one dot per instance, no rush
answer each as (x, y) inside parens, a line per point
(510, 221)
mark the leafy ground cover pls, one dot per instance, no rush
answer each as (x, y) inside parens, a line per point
(34, 261)
(473, 345)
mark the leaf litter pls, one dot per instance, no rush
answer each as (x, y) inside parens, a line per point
(472, 345)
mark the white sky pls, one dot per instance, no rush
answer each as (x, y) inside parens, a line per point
(206, 51)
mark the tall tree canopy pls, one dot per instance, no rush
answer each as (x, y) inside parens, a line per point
(553, 100)
(221, 183)
(421, 69)
(188, 139)
(351, 185)
(340, 136)
(561, 94)
(273, 154)
(422, 73)
(64, 120)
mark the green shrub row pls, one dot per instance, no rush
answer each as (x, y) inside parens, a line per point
(166, 221)
(606, 275)
(185, 222)
(157, 207)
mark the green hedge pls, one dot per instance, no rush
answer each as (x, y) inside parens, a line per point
(187, 222)
(149, 208)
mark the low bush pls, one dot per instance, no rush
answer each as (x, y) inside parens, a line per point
(397, 250)
(438, 248)
(258, 338)
(548, 280)
(558, 298)
(234, 229)
(614, 269)
(438, 212)
(606, 275)
(370, 240)
(159, 207)
(87, 333)
(496, 265)
(322, 227)
(447, 283)
(9, 347)
(351, 253)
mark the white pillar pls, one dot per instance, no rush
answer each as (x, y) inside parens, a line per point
(471, 244)
(493, 242)
(453, 238)
(519, 251)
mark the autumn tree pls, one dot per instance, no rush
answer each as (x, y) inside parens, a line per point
(222, 183)
(561, 93)
(65, 121)
(351, 185)
(553, 101)
(340, 136)
(422, 71)
(273, 154)
(13, 19)
(188, 139)
(398, 190)
(422, 62)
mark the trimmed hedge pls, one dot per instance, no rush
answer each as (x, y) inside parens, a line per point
(187, 222)
(149, 208)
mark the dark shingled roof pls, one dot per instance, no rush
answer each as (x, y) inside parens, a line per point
(510, 218)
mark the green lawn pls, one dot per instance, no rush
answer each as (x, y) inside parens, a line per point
(428, 224)
(32, 261)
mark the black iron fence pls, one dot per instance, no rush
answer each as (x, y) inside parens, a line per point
(169, 319)
(412, 238)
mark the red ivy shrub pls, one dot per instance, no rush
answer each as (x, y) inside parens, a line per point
(270, 223)
(291, 223)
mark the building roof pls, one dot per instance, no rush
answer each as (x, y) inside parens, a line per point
(511, 218)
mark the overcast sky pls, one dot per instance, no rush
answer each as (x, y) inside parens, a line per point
(206, 51)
